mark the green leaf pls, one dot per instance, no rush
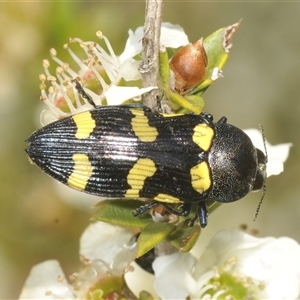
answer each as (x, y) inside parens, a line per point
(217, 47)
(196, 104)
(119, 212)
(185, 236)
(190, 103)
(151, 235)
(164, 69)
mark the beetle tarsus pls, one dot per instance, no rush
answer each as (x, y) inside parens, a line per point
(143, 208)
(202, 213)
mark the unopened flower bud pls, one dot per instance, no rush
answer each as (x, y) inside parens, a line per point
(187, 67)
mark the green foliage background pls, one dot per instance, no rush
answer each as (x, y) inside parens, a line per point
(261, 85)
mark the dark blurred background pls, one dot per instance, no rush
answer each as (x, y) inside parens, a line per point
(261, 85)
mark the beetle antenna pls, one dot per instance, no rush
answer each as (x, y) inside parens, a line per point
(264, 140)
(260, 201)
(264, 188)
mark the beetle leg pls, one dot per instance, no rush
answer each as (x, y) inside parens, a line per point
(83, 93)
(185, 209)
(143, 208)
(202, 213)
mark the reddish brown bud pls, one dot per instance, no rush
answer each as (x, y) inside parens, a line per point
(187, 67)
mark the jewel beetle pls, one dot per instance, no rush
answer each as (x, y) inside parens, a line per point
(132, 152)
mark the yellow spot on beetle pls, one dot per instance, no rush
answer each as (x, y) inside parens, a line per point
(142, 169)
(82, 172)
(171, 115)
(85, 124)
(141, 127)
(167, 198)
(200, 176)
(203, 136)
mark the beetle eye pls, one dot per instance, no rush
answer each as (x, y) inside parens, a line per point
(261, 174)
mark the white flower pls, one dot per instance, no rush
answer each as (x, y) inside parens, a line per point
(108, 243)
(277, 154)
(100, 71)
(172, 36)
(262, 268)
(173, 275)
(47, 281)
(105, 251)
(103, 74)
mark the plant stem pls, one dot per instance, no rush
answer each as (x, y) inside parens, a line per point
(149, 67)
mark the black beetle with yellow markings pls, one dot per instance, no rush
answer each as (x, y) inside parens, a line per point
(131, 152)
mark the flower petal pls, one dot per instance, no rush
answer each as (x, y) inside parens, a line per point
(133, 44)
(275, 262)
(46, 281)
(129, 70)
(47, 117)
(277, 154)
(116, 95)
(173, 36)
(173, 276)
(108, 243)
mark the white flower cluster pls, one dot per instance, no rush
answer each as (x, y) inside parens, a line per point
(105, 250)
(262, 268)
(268, 267)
